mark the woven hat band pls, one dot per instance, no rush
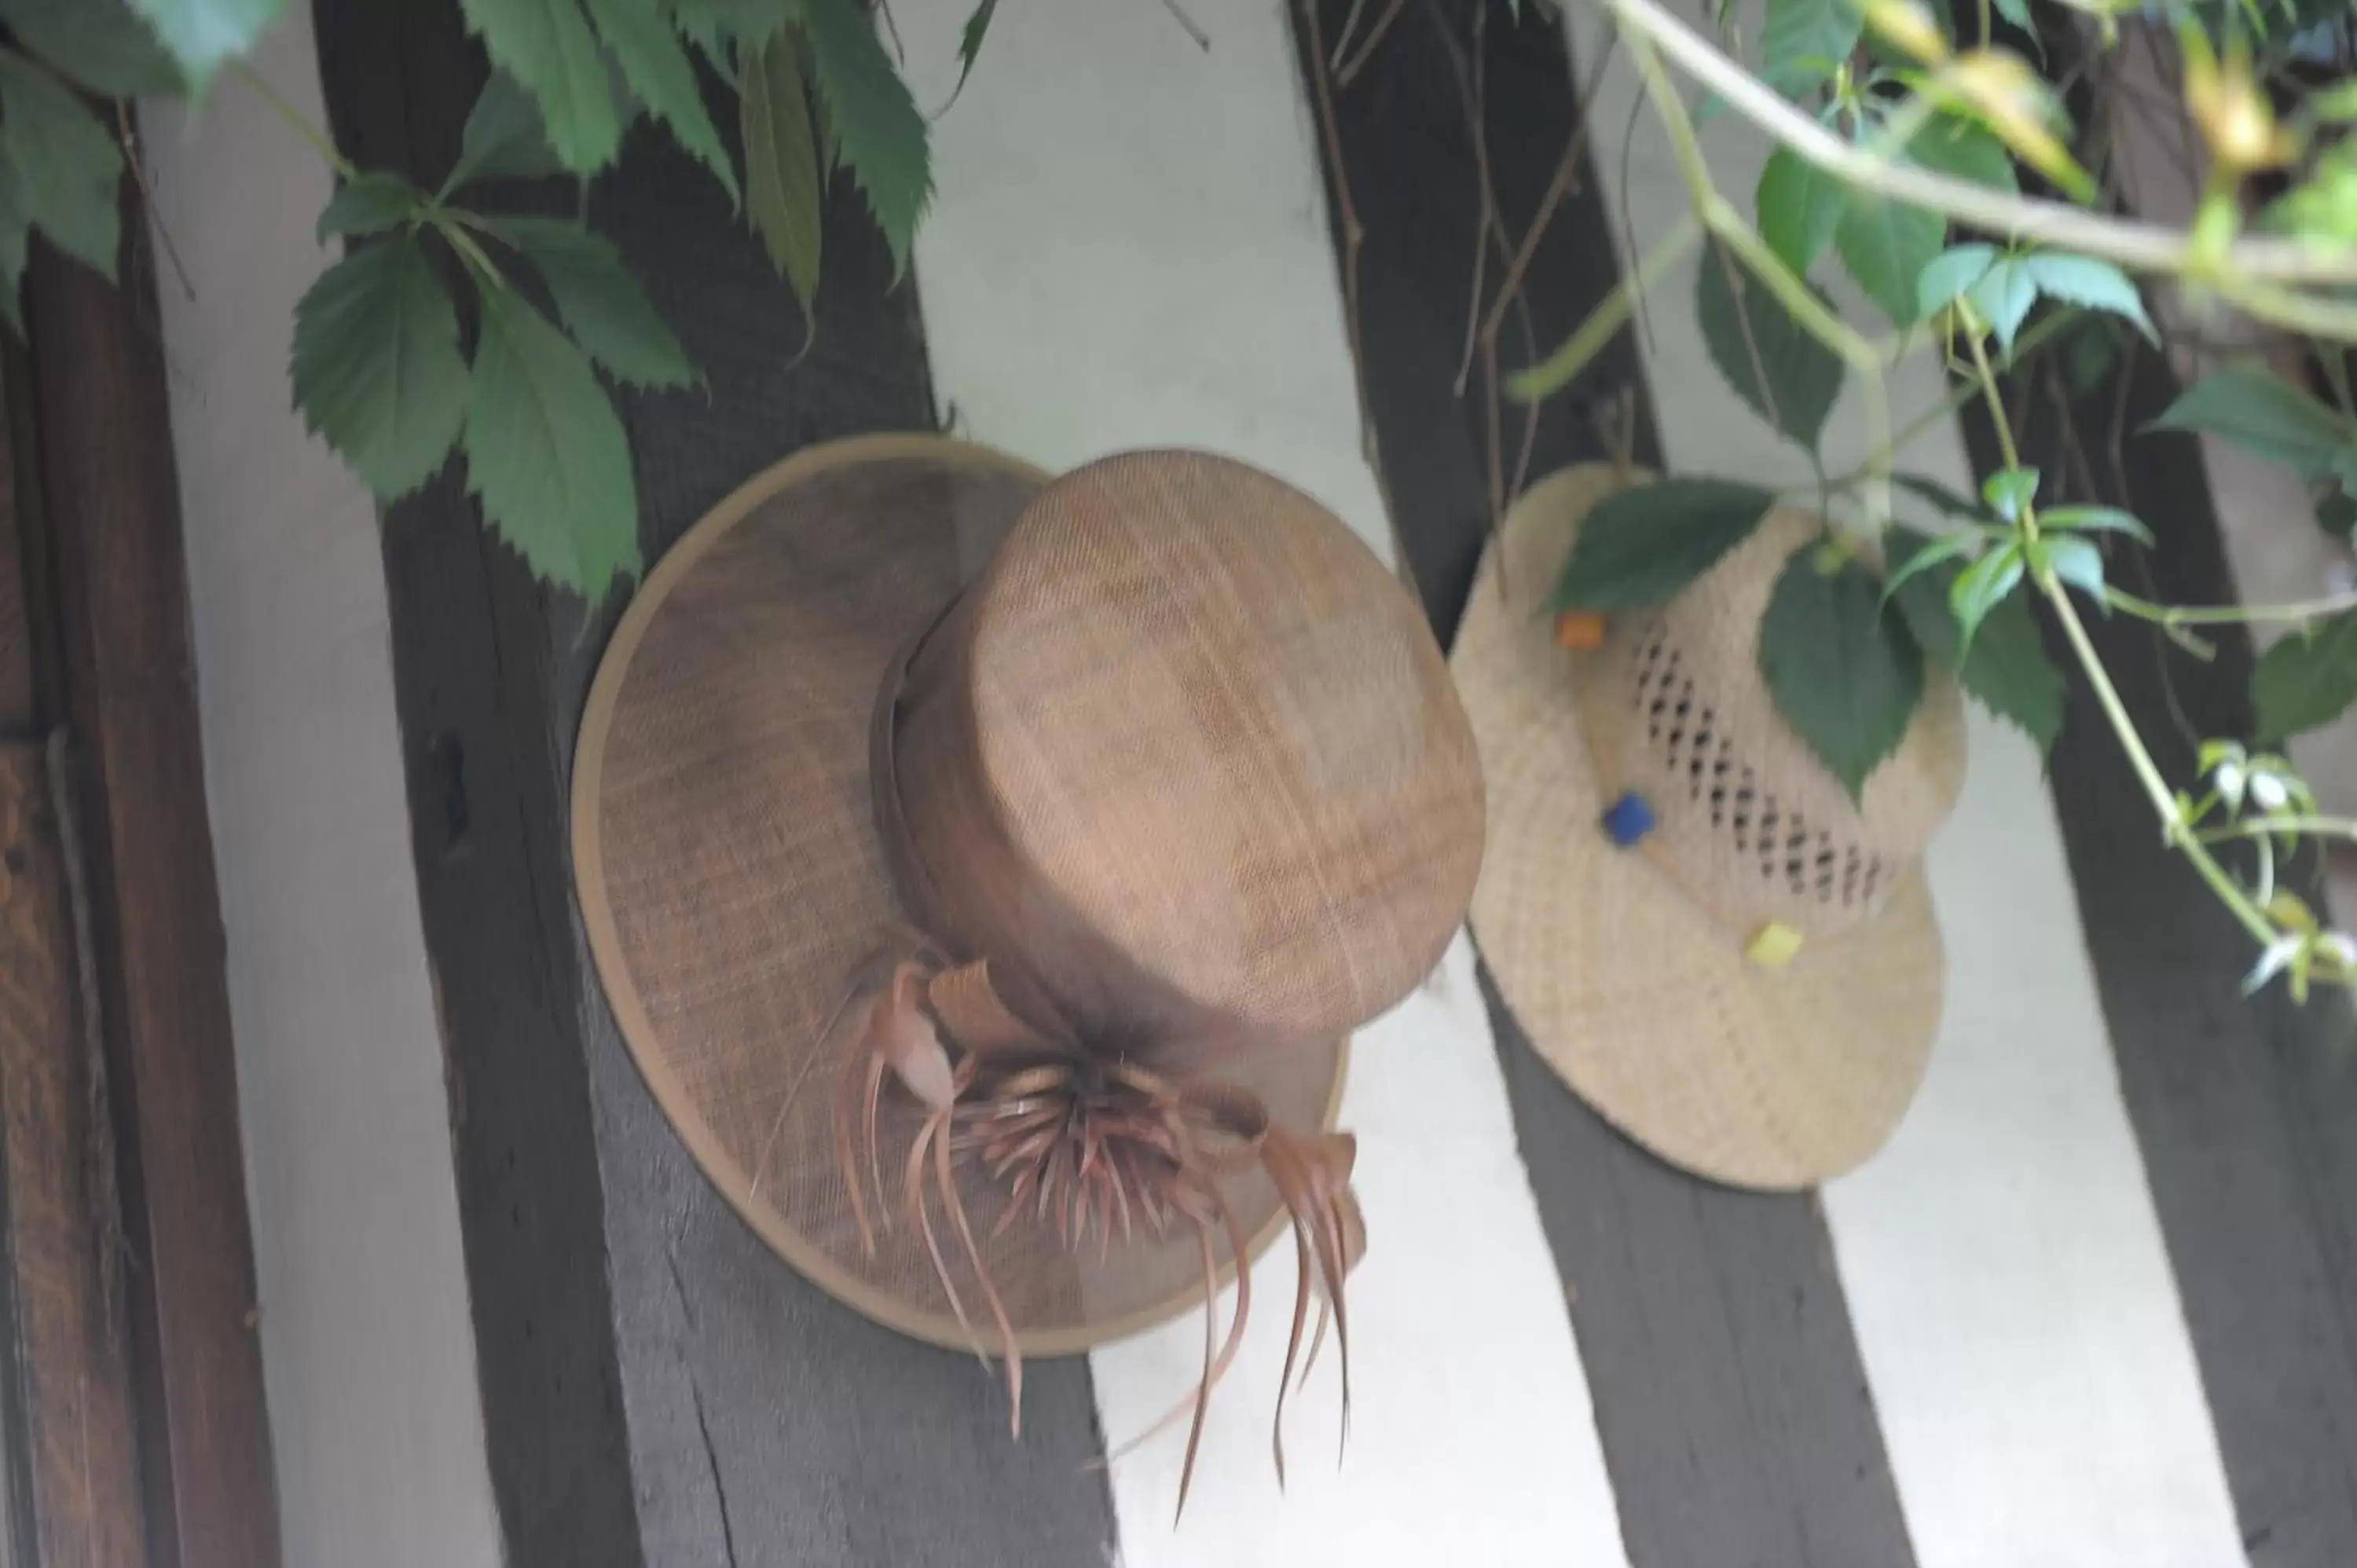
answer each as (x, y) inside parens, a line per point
(1745, 820)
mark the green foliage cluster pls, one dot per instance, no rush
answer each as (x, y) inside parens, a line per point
(451, 325)
(1855, 618)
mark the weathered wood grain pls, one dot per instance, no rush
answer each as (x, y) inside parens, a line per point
(72, 1458)
(111, 502)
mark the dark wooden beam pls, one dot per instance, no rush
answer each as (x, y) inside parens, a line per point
(72, 1480)
(657, 1385)
(472, 660)
(110, 503)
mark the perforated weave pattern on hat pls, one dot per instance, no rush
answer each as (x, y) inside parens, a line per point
(1748, 823)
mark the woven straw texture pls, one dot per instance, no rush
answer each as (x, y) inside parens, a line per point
(1209, 731)
(732, 878)
(1627, 967)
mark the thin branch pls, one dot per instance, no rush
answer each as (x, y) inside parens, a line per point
(2140, 246)
(1608, 315)
(1809, 312)
(135, 153)
(1953, 404)
(2164, 802)
(1178, 13)
(1342, 39)
(1477, 113)
(2273, 827)
(1564, 181)
(1347, 71)
(315, 138)
(2230, 615)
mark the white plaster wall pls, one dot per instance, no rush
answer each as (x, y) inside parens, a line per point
(368, 1349)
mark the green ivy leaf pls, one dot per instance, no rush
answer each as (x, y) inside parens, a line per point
(2002, 297)
(1845, 676)
(2018, 13)
(503, 138)
(1886, 246)
(2090, 286)
(598, 301)
(65, 162)
(1800, 206)
(658, 70)
(1959, 147)
(98, 43)
(1804, 40)
(1950, 273)
(1638, 546)
(1769, 357)
(202, 34)
(1980, 587)
(2074, 559)
(370, 203)
(2095, 519)
(547, 455)
(2010, 490)
(2006, 670)
(877, 133)
(717, 24)
(783, 188)
(2308, 679)
(549, 50)
(1927, 553)
(376, 369)
(2263, 414)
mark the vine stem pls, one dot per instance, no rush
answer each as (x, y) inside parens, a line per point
(2229, 615)
(311, 134)
(2026, 345)
(2140, 246)
(2270, 827)
(2174, 828)
(1609, 314)
(1793, 293)
(2309, 314)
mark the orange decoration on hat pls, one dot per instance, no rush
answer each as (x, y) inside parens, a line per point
(1579, 630)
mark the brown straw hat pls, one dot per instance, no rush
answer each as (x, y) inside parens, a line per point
(986, 872)
(1751, 987)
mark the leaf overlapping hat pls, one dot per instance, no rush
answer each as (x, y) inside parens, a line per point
(1724, 948)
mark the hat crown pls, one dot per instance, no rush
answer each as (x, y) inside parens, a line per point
(1187, 739)
(1748, 821)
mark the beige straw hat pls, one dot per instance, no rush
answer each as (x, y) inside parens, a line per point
(986, 872)
(1749, 989)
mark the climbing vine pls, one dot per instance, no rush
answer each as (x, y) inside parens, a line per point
(1957, 161)
(1926, 159)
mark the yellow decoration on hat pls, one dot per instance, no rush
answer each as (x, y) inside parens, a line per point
(1772, 945)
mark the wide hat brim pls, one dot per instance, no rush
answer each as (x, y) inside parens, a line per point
(1650, 1010)
(732, 884)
